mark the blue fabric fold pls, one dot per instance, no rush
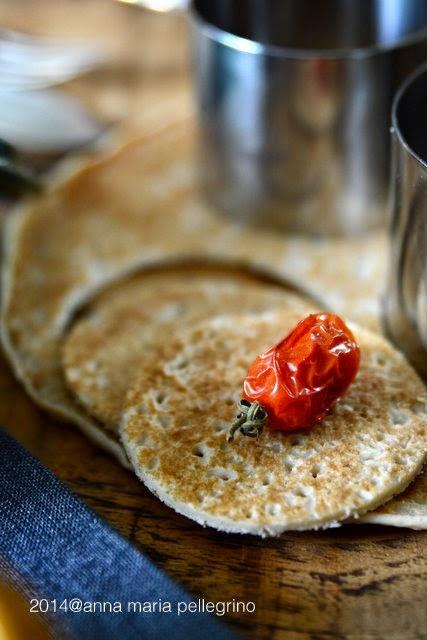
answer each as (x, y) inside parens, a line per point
(61, 550)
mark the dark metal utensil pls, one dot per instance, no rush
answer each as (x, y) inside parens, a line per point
(15, 178)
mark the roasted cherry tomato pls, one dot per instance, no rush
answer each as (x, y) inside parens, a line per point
(298, 380)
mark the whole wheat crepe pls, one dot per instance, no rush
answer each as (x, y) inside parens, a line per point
(179, 410)
(103, 351)
(134, 208)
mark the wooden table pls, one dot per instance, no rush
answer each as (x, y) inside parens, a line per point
(354, 582)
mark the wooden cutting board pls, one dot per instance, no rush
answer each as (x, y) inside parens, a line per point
(357, 582)
(354, 582)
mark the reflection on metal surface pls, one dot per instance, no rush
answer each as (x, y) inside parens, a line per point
(159, 5)
(405, 304)
(294, 107)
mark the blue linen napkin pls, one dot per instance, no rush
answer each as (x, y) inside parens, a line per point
(61, 550)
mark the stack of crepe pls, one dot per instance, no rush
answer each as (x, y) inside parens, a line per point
(132, 310)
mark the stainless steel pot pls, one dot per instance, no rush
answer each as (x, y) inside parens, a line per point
(405, 301)
(295, 100)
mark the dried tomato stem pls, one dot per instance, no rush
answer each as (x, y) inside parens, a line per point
(250, 420)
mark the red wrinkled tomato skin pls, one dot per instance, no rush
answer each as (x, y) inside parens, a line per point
(300, 378)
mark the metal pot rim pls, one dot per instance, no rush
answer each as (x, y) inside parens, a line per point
(246, 45)
(395, 127)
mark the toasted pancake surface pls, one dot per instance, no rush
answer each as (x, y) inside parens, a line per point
(133, 208)
(408, 509)
(103, 350)
(180, 407)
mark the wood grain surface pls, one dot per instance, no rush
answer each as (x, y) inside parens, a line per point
(353, 582)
